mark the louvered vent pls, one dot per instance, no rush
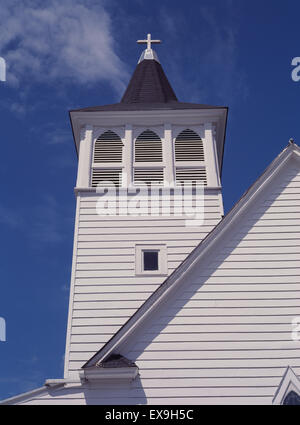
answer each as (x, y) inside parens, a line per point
(108, 148)
(148, 147)
(149, 176)
(107, 175)
(189, 147)
(191, 175)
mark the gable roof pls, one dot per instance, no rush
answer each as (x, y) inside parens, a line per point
(289, 382)
(207, 243)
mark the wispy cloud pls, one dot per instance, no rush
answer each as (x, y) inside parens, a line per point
(46, 41)
(58, 136)
(208, 67)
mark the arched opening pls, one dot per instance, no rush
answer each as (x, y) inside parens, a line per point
(292, 399)
(108, 148)
(189, 158)
(147, 155)
(148, 147)
(108, 152)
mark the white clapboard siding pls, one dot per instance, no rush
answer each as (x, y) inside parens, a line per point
(170, 222)
(268, 243)
(172, 242)
(107, 252)
(141, 230)
(105, 290)
(111, 289)
(100, 239)
(104, 313)
(210, 363)
(81, 346)
(225, 335)
(223, 318)
(115, 280)
(256, 257)
(85, 398)
(218, 336)
(230, 325)
(214, 345)
(213, 374)
(122, 296)
(255, 286)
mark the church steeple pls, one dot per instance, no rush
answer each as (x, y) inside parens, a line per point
(149, 83)
(149, 139)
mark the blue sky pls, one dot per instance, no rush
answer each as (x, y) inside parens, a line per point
(70, 54)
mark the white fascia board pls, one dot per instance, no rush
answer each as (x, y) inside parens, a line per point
(211, 189)
(289, 382)
(205, 246)
(24, 396)
(99, 374)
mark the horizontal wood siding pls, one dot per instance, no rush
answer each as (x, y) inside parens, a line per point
(228, 331)
(224, 336)
(106, 290)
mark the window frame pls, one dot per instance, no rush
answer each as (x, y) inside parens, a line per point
(106, 166)
(162, 259)
(148, 165)
(190, 165)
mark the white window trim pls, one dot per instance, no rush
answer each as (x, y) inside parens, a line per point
(119, 131)
(149, 165)
(162, 260)
(192, 165)
(111, 166)
(289, 382)
(199, 129)
(107, 165)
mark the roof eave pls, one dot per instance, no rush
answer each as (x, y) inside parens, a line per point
(79, 118)
(96, 374)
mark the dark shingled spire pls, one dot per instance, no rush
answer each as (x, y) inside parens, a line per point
(148, 89)
(149, 84)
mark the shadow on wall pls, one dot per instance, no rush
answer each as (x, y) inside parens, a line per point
(166, 312)
(116, 393)
(137, 391)
(101, 393)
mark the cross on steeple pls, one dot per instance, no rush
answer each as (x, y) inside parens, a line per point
(148, 41)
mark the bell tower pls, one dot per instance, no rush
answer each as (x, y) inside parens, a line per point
(147, 140)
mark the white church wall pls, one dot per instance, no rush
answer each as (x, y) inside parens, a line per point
(228, 336)
(225, 337)
(106, 290)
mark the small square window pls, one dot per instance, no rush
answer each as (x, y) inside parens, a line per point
(150, 260)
